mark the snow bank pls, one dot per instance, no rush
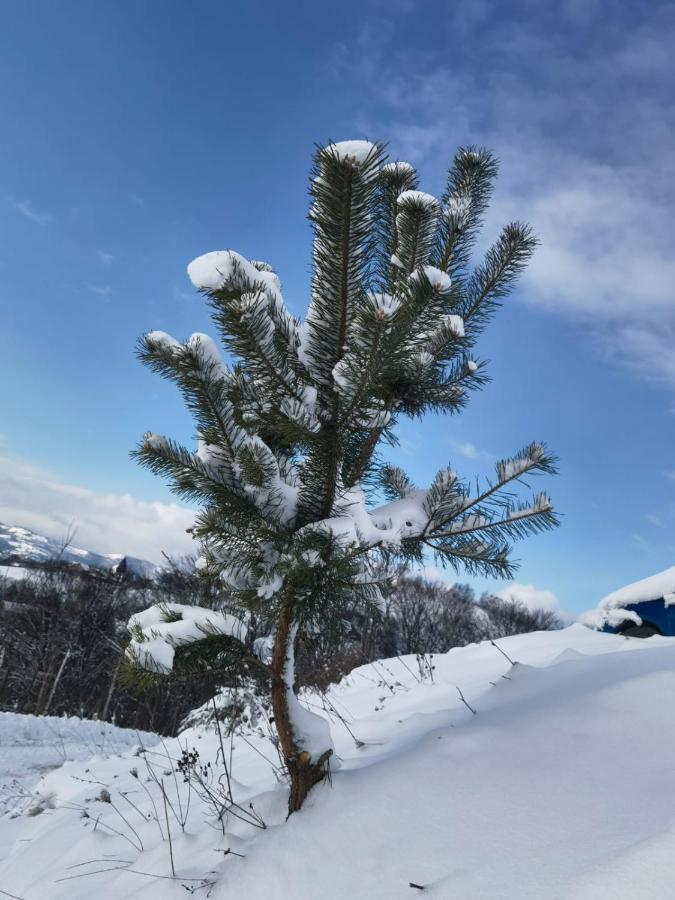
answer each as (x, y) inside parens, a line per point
(556, 787)
(30, 746)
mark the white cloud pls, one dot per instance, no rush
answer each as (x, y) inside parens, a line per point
(102, 290)
(530, 596)
(466, 449)
(105, 522)
(469, 450)
(641, 543)
(25, 208)
(670, 474)
(104, 258)
(586, 143)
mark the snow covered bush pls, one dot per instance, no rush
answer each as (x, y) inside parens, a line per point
(287, 469)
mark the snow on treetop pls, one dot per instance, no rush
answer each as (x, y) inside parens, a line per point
(356, 152)
(384, 304)
(399, 166)
(163, 339)
(455, 324)
(611, 609)
(156, 441)
(418, 197)
(459, 206)
(220, 268)
(438, 279)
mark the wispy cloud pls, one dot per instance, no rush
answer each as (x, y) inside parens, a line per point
(104, 258)
(469, 450)
(670, 474)
(105, 522)
(101, 290)
(137, 200)
(641, 543)
(26, 208)
(184, 296)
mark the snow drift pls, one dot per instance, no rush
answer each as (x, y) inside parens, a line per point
(557, 786)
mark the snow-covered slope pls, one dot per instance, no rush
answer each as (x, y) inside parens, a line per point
(31, 746)
(20, 547)
(557, 787)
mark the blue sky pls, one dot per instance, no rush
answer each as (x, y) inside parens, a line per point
(137, 135)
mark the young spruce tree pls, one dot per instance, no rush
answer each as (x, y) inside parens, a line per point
(287, 470)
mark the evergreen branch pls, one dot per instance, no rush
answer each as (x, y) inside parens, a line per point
(201, 376)
(394, 179)
(243, 315)
(490, 560)
(467, 194)
(496, 275)
(519, 522)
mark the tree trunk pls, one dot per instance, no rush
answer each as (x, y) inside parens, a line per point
(303, 772)
(55, 684)
(111, 688)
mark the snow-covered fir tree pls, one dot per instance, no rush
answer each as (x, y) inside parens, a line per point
(298, 506)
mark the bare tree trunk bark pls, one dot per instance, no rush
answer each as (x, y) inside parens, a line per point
(55, 683)
(303, 772)
(111, 688)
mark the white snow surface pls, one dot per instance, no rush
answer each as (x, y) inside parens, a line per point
(356, 152)
(420, 198)
(611, 609)
(219, 268)
(399, 166)
(32, 746)
(160, 637)
(557, 787)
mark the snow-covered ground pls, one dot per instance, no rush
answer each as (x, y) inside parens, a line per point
(32, 746)
(559, 786)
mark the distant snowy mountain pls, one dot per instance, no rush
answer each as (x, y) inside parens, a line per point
(20, 547)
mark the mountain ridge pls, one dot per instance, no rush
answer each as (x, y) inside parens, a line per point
(23, 548)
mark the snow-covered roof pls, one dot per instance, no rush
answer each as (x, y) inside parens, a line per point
(612, 609)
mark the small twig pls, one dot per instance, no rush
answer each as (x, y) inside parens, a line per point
(152, 800)
(131, 803)
(7, 894)
(419, 887)
(181, 820)
(126, 869)
(110, 828)
(505, 655)
(129, 825)
(90, 862)
(463, 699)
(230, 852)
(400, 659)
(168, 830)
(222, 749)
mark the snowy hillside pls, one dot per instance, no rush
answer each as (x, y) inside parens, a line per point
(32, 746)
(557, 787)
(22, 548)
